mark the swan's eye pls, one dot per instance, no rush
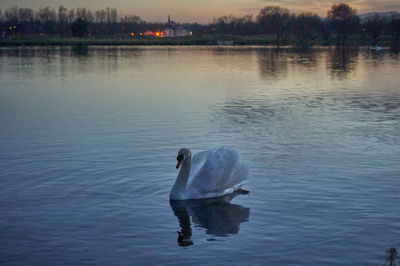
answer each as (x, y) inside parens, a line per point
(179, 157)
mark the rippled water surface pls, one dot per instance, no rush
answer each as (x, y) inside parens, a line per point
(89, 137)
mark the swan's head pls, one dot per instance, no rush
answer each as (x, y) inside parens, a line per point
(183, 154)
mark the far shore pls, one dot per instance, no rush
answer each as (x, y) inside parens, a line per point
(192, 40)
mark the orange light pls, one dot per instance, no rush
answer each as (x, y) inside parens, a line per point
(141, 33)
(191, 33)
(132, 34)
(157, 34)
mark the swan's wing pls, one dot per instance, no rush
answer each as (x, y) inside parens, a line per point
(198, 160)
(220, 171)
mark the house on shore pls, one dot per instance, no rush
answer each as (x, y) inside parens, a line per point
(174, 29)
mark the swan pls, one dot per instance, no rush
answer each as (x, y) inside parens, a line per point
(208, 174)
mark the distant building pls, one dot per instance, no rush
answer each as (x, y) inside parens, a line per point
(181, 32)
(168, 32)
(174, 29)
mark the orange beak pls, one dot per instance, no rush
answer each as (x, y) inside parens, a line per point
(178, 164)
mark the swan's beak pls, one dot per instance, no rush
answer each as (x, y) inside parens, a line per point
(178, 164)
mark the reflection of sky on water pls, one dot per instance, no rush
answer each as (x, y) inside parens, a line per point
(326, 101)
(306, 90)
(100, 127)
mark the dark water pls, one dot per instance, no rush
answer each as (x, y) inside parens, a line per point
(89, 137)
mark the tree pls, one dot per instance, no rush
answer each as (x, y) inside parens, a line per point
(130, 24)
(274, 18)
(343, 20)
(80, 27)
(224, 24)
(47, 17)
(12, 20)
(12, 15)
(306, 26)
(113, 15)
(25, 20)
(394, 26)
(229, 25)
(374, 27)
(71, 16)
(246, 25)
(62, 20)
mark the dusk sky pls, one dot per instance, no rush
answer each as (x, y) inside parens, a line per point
(203, 11)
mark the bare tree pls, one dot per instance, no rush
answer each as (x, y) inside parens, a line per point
(81, 13)
(344, 21)
(62, 20)
(71, 16)
(275, 19)
(394, 27)
(374, 27)
(306, 26)
(25, 23)
(113, 15)
(100, 16)
(47, 14)
(224, 24)
(25, 15)
(62, 14)
(47, 18)
(108, 16)
(89, 16)
(11, 15)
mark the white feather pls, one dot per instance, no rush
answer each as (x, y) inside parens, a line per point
(209, 174)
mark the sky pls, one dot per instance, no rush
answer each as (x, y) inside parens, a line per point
(204, 11)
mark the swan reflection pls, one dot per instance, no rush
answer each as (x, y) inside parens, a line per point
(217, 215)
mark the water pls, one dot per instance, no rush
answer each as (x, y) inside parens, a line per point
(89, 137)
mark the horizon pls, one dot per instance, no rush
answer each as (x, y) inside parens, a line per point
(205, 12)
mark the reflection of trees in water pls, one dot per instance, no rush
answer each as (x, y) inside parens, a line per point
(391, 257)
(274, 62)
(105, 59)
(80, 50)
(53, 61)
(217, 215)
(26, 60)
(342, 61)
(306, 57)
(27, 52)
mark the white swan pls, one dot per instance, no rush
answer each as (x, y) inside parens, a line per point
(208, 174)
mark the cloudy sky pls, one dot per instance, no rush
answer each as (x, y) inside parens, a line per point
(204, 10)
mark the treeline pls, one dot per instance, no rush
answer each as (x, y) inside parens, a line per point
(341, 22)
(74, 22)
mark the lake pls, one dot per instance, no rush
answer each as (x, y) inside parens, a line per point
(89, 139)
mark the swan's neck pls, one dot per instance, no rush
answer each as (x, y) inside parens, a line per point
(179, 187)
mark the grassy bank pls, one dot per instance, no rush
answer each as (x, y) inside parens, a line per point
(192, 40)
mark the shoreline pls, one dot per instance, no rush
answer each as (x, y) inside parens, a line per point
(206, 40)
